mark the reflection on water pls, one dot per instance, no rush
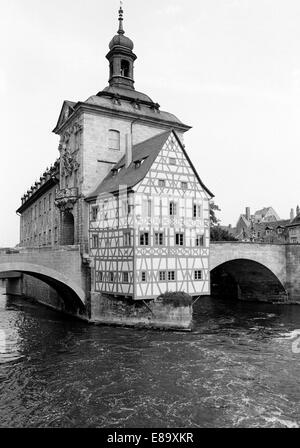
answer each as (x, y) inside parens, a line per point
(236, 369)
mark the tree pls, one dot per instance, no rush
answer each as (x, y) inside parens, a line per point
(213, 208)
(216, 231)
(219, 234)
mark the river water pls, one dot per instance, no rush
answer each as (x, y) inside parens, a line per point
(236, 369)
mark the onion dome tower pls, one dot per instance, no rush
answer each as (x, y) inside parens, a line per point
(121, 58)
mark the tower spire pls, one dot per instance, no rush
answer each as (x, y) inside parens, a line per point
(121, 30)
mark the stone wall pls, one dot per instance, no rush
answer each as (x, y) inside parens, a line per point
(293, 271)
(155, 314)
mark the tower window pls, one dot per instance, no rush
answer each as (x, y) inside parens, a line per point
(125, 68)
(114, 140)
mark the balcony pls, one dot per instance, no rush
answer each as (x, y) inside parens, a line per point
(66, 198)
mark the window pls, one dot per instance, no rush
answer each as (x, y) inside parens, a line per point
(144, 276)
(125, 277)
(40, 208)
(44, 239)
(99, 276)
(162, 276)
(111, 277)
(199, 240)
(125, 68)
(114, 140)
(55, 235)
(49, 236)
(173, 208)
(50, 201)
(179, 239)
(127, 239)
(94, 213)
(161, 183)
(184, 185)
(172, 161)
(159, 239)
(197, 211)
(95, 241)
(144, 239)
(197, 275)
(44, 205)
(35, 212)
(171, 276)
(147, 208)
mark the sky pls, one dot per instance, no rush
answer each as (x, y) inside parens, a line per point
(228, 68)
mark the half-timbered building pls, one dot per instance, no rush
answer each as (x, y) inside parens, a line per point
(149, 223)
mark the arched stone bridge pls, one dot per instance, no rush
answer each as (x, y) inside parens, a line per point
(60, 277)
(60, 268)
(257, 271)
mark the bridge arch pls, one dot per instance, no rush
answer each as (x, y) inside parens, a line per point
(247, 279)
(70, 291)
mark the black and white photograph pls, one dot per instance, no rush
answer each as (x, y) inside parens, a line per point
(150, 217)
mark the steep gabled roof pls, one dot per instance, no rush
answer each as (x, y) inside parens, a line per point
(146, 151)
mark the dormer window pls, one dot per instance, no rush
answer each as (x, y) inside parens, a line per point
(137, 163)
(114, 171)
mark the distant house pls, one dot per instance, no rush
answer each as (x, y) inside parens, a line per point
(266, 214)
(294, 230)
(263, 226)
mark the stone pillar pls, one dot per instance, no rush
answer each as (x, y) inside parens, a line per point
(14, 286)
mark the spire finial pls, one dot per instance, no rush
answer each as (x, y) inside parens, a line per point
(121, 30)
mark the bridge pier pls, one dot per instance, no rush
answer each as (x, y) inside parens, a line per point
(293, 272)
(155, 313)
(14, 286)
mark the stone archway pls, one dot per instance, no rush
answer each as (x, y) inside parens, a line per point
(248, 280)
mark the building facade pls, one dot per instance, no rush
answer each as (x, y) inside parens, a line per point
(294, 229)
(124, 190)
(149, 224)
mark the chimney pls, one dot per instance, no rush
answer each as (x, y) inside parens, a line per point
(292, 214)
(248, 216)
(128, 151)
(298, 210)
